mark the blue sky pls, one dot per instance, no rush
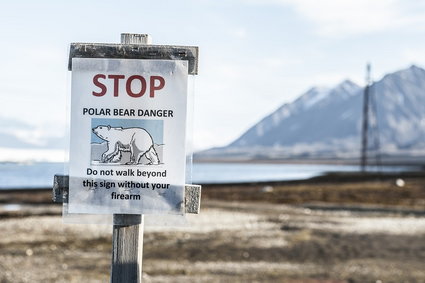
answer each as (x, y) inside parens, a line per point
(254, 55)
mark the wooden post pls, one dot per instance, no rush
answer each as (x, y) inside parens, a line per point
(127, 249)
(127, 235)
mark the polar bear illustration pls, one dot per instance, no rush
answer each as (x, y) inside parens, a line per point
(137, 141)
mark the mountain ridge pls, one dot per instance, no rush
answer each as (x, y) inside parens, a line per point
(327, 122)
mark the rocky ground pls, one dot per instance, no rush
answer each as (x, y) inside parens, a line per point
(236, 239)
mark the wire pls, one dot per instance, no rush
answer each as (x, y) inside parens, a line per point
(375, 128)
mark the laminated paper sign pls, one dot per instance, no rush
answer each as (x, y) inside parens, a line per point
(128, 123)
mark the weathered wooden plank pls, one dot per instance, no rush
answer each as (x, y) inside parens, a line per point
(127, 233)
(136, 38)
(135, 51)
(192, 194)
(60, 188)
(192, 198)
(127, 249)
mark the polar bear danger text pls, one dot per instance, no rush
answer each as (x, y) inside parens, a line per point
(162, 113)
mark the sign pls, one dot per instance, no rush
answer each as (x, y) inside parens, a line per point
(128, 136)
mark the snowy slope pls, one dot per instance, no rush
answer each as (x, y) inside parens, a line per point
(328, 121)
(401, 108)
(307, 119)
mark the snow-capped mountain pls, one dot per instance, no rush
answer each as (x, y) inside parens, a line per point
(301, 121)
(401, 109)
(328, 121)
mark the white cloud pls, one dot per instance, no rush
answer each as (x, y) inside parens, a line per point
(240, 33)
(336, 18)
(205, 138)
(36, 155)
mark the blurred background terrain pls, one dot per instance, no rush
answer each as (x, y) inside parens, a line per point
(277, 141)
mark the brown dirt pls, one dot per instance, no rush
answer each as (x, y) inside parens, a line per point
(315, 232)
(348, 188)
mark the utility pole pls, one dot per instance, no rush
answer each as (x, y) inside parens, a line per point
(365, 125)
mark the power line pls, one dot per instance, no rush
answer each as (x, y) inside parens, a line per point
(365, 124)
(370, 125)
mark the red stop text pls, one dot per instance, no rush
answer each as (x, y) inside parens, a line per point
(135, 85)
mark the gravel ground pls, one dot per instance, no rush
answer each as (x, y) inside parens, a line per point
(227, 242)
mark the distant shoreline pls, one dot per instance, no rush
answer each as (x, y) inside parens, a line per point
(348, 191)
(334, 177)
(385, 161)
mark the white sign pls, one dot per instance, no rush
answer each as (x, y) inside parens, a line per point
(128, 124)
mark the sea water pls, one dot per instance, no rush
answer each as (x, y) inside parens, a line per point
(29, 175)
(213, 173)
(40, 175)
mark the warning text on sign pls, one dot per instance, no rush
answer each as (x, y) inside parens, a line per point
(163, 113)
(126, 173)
(92, 184)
